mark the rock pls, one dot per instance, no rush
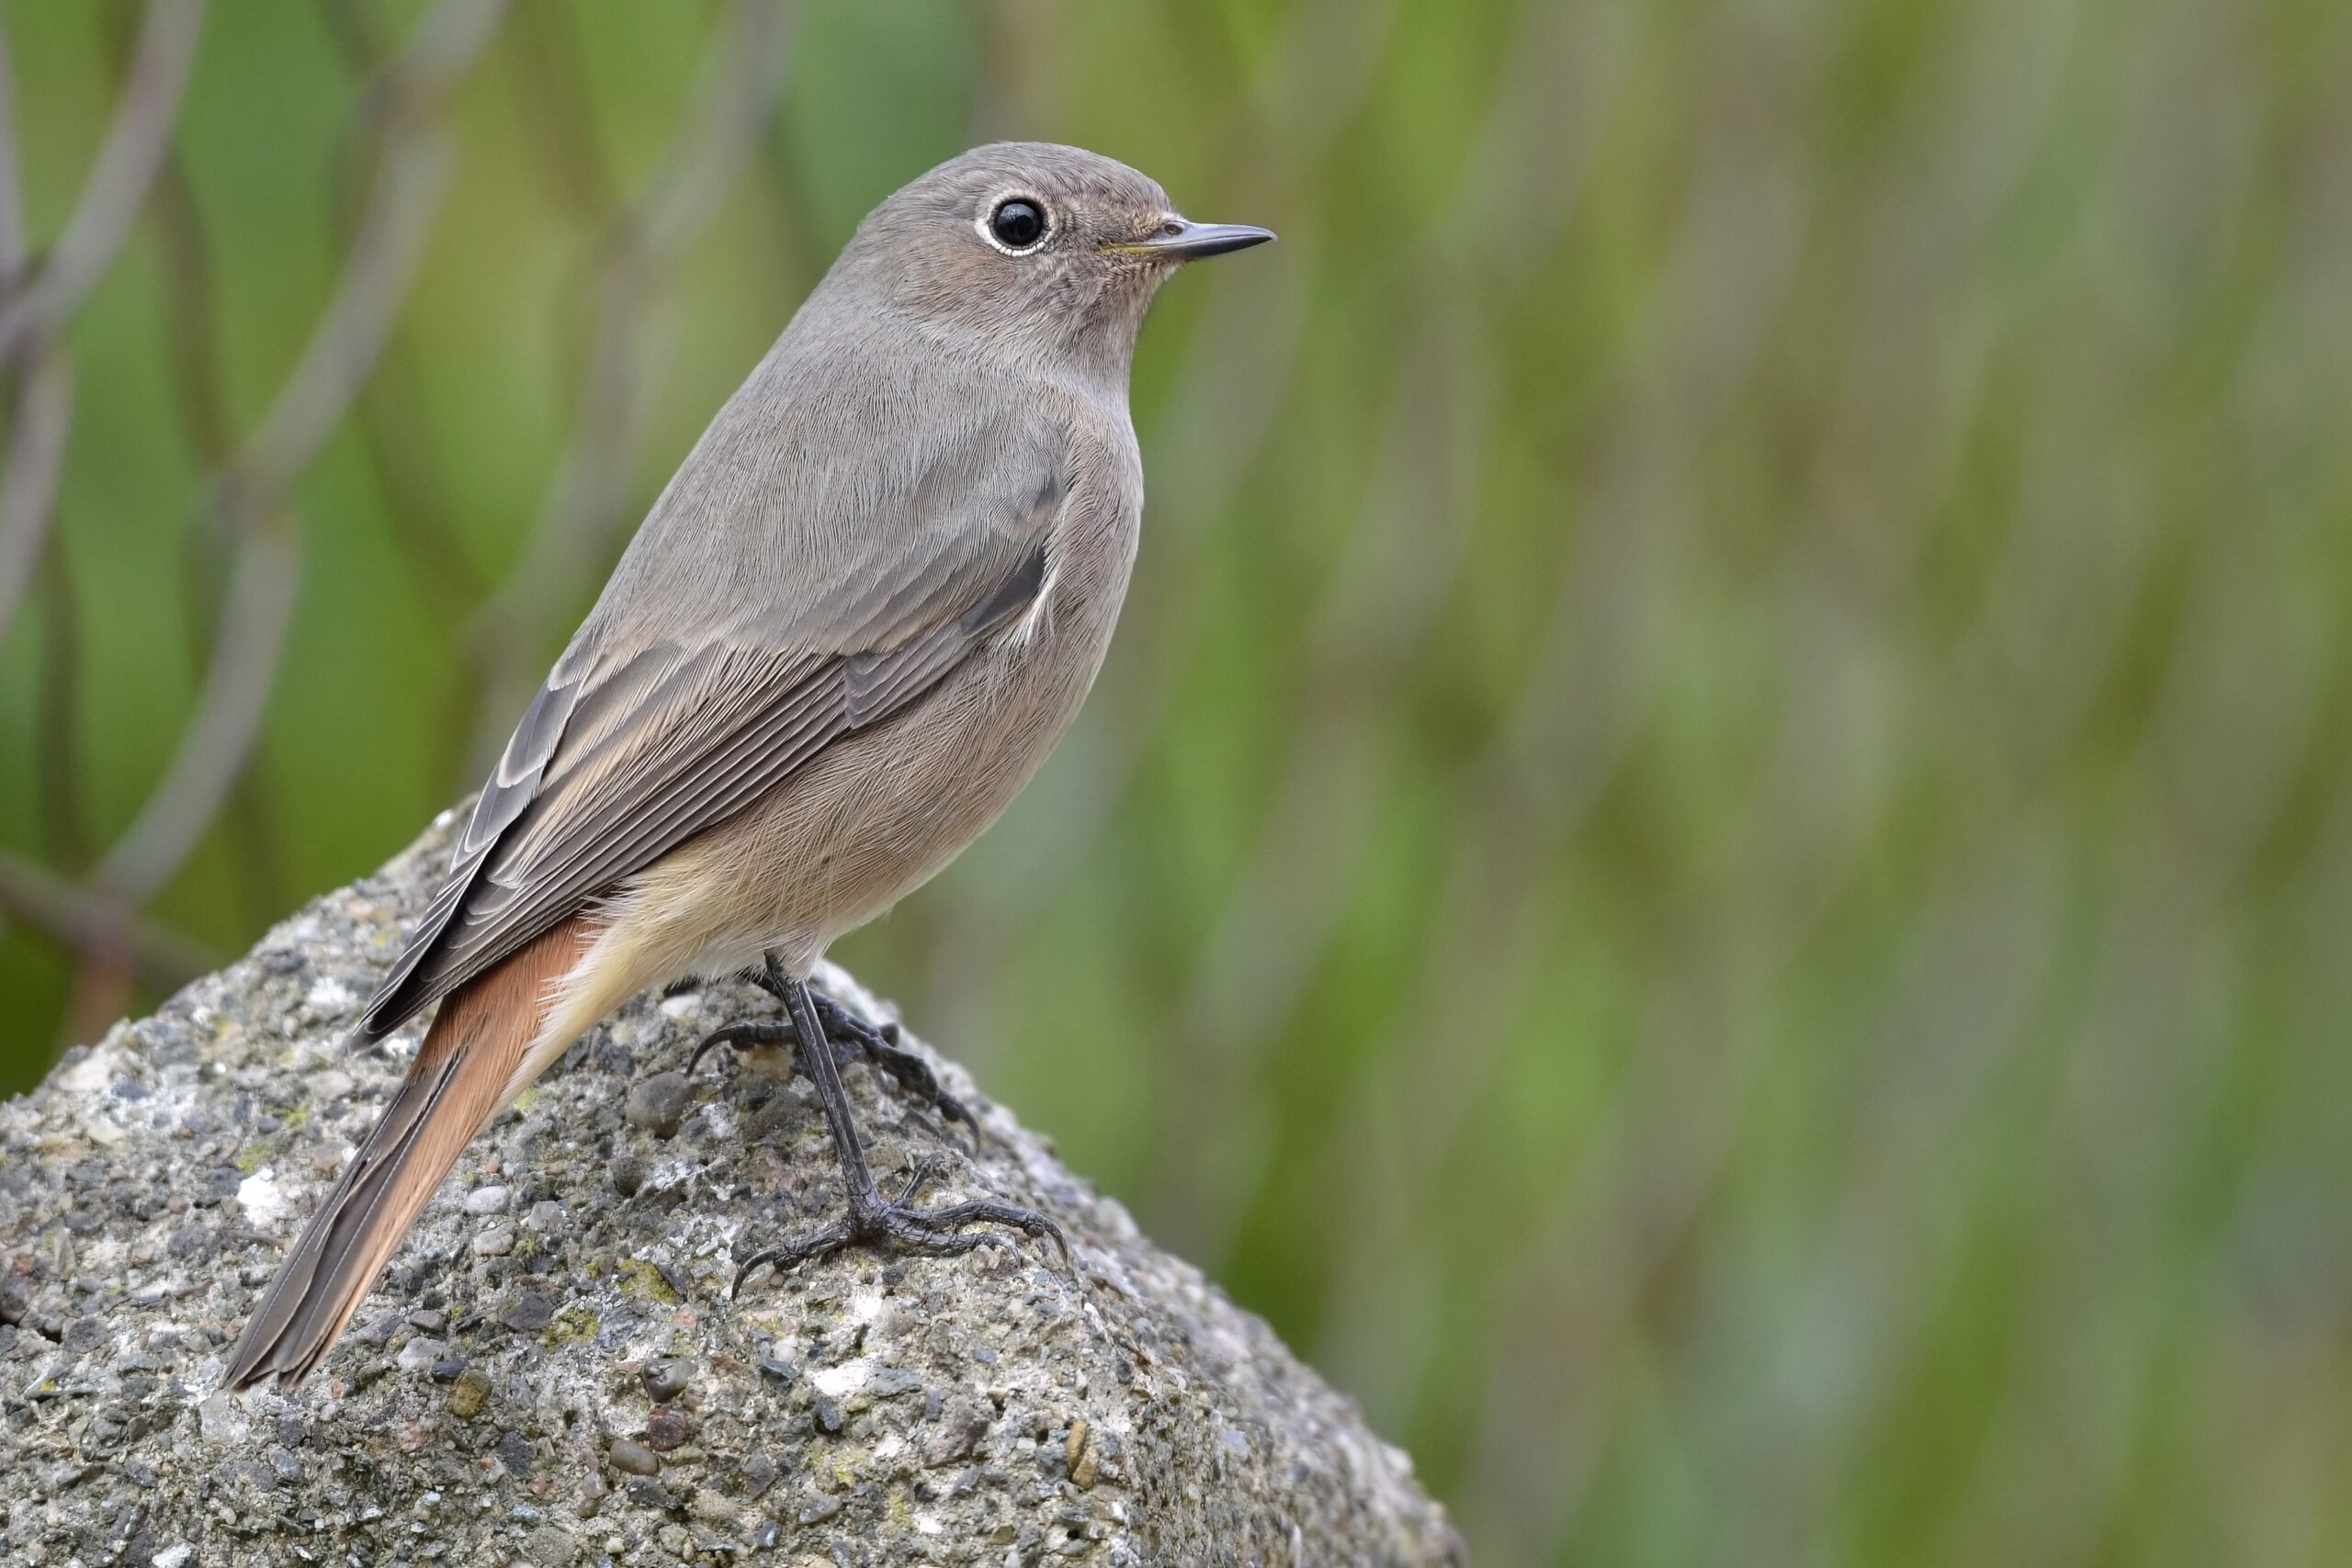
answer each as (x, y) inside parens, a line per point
(665, 1381)
(660, 1103)
(467, 1397)
(664, 1430)
(495, 1242)
(652, 1496)
(636, 1459)
(886, 1406)
(959, 1432)
(551, 1546)
(219, 1421)
(1078, 1455)
(530, 1312)
(628, 1176)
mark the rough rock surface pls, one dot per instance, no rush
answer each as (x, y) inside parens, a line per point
(551, 1372)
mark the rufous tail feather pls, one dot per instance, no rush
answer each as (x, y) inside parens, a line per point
(461, 1076)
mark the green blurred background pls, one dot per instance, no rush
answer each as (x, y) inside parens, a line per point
(1714, 860)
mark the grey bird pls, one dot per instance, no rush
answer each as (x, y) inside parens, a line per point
(852, 625)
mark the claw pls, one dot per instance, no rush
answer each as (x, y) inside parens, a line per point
(935, 1233)
(879, 1043)
(924, 1170)
(872, 1219)
(827, 1239)
(741, 1034)
(931, 1232)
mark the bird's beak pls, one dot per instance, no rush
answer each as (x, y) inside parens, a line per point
(1180, 239)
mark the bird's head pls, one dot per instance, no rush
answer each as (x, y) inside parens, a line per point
(1045, 252)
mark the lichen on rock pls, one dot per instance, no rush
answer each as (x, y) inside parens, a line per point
(551, 1371)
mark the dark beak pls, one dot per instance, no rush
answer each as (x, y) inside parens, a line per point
(1180, 239)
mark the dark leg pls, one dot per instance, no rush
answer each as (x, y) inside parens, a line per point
(881, 1047)
(736, 1034)
(873, 1219)
(878, 1042)
(781, 1032)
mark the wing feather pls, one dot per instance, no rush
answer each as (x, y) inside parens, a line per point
(637, 743)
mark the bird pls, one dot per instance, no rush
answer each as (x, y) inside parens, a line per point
(848, 631)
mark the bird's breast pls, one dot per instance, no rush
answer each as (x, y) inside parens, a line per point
(883, 809)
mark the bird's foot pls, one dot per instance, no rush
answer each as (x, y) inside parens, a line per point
(880, 1043)
(872, 1220)
(851, 1035)
(754, 1033)
(875, 1222)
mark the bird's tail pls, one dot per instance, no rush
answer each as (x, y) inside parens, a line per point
(464, 1073)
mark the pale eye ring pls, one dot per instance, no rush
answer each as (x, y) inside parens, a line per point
(1016, 223)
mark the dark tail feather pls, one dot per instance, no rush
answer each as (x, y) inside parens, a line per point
(458, 1080)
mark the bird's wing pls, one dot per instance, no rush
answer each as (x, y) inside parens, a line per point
(636, 743)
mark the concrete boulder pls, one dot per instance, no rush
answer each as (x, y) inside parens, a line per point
(552, 1371)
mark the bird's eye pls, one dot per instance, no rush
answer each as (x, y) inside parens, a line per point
(1018, 224)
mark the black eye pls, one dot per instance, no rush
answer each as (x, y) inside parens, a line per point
(1018, 222)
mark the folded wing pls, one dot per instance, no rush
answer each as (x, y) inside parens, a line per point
(661, 721)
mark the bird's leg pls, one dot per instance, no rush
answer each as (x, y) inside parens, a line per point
(782, 1032)
(850, 1034)
(873, 1219)
(880, 1043)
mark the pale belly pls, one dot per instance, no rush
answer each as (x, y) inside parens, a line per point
(877, 814)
